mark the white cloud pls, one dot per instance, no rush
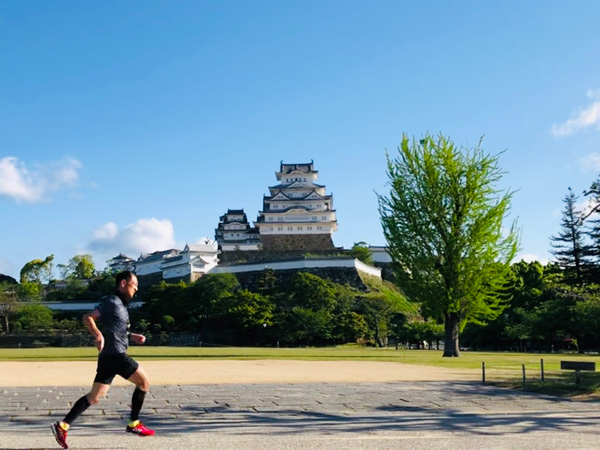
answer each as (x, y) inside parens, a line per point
(590, 163)
(32, 186)
(143, 236)
(584, 118)
(107, 232)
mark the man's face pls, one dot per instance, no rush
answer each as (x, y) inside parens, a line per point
(129, 288)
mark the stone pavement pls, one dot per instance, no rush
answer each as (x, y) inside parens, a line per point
(398, 415)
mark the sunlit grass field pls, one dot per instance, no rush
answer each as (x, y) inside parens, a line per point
(467, 360)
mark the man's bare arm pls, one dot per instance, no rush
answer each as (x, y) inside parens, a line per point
(90, 322)
(137, 338)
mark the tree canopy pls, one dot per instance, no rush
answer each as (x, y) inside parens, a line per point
(79, 267)
(37, 270)
(443, 222)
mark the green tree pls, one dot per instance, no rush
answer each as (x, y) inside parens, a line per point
(360, 250)
(8, 304)
(80, 267)
(267, 282)
(37, 271)
(443, 221)
(587, 315)
(593, 230)
(568, 246)
(305, 309)
(31, 291)
(35, 317)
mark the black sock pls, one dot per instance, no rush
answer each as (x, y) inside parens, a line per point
(78, 409)
(137, 400)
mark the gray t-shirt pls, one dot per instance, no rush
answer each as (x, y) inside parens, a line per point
(115, 325)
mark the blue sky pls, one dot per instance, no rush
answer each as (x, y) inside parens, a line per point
(130, 126)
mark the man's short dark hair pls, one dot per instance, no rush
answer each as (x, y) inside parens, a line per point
(125, 275)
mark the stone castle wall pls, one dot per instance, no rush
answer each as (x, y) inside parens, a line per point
(301, 242)
(257, 256)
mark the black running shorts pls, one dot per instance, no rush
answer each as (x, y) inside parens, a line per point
(111, 365)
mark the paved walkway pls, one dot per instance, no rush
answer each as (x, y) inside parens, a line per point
(398, 415)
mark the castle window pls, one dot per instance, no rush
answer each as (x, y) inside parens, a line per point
(290, 228)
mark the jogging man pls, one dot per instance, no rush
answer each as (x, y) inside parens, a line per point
(113, 360)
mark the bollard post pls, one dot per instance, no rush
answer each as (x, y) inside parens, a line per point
(524, 378)
(483, 372)
(542, 368)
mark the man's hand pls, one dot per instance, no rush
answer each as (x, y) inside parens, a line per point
(138, 338)
(99, 342)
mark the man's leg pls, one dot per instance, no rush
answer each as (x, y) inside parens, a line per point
(60, 428)
(142, 385)
(98, 391)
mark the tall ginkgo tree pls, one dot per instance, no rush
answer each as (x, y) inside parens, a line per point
(444, 224)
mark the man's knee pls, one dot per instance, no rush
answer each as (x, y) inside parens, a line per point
(140, 379)
(143, 384)
(95, 397)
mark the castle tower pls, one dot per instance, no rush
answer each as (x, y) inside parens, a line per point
(234, 232)
(298, 214)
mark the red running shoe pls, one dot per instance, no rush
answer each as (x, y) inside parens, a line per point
(140, 430)
(59, 434)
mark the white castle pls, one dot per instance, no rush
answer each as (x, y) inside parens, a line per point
(297, 214)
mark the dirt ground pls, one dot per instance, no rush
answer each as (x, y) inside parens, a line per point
(81, 373)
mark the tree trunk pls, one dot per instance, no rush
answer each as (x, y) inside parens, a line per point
(451, 347)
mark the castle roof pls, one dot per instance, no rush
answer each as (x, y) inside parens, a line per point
(299, 185)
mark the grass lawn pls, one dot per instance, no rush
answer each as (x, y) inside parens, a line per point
(504, 369)
(467, 360)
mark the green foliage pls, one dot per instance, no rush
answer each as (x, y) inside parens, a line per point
(34, 317)
(168, 322)
(8, 304)
(360, 250)
(80, 267)
(443, 221)
(298, 309)
(70, 326)
(267, 282)
(304, 309)
(30, 291)
(37, 271)
(568, 245)
(6, 279)
(586, 314)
